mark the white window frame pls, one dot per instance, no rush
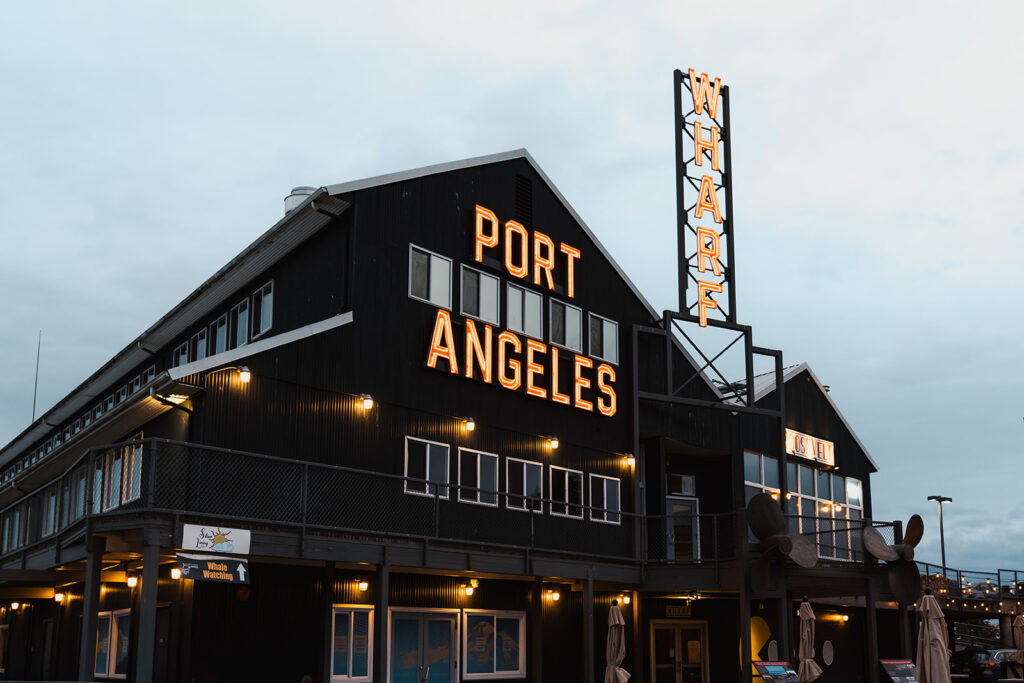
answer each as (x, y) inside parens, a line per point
(462, 296)
(601, 515)
(112, 643)
(526, 507)
(447, 485)
(265, 327)
(520, 672)
(508, 318)
(604, 342)
(193, 343)
(551, 324)
(131, 460)
(352, 609)
(113, 461)
(478, 492)
(445, 305)
(567, 503)
(233, 315)
(215, 334)
(180, 355)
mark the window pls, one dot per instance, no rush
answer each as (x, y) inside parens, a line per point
(604, 499)
(198, 346)
(523, 482)
(112, 479)
(112, 631)
(135, 385)
(566, 326)
(239, 320)
(478, 477)
(426, 467)
(430, 277)
(682, 485)
(180, 355)
(524, 312)
(97, 486)
(49, 511)
(352, 638)
(149, 374)
(262, 309)
(604, 339)
(131, 481)
(494, 644)
(566, 492)
(218, 335)
(480, 295)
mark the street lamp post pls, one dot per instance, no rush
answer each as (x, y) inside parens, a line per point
(942, 536)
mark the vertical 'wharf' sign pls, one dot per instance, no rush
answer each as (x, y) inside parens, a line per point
(513, 359)
(704, 198)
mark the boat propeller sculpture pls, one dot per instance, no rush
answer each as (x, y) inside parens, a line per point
(769, 526)
(903, 575)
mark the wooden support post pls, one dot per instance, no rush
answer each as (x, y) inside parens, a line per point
(871, 631)
(380, 622)
(146, 643)
(536, 626)
(327, 604)
(95, 546)
(588, 630)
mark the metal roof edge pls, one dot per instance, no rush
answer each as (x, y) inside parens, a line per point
(136, 352)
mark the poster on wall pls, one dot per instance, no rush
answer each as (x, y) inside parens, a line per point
(771, 672)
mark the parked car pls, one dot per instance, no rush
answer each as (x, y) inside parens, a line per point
(979, 665)
(1008, 666)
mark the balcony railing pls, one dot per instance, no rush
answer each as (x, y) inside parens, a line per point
(161, 476)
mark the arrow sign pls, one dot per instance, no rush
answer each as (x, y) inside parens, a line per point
(213, 568)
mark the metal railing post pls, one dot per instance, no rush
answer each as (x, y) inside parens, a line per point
(151, 470)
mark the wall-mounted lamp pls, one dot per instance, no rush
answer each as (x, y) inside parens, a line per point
(553, 442)
(367, 401)
(175, 573)
(553, 595)
(625, 598)
(243, 374)
(630, 460)
(132, 581)
(469, 587)
(58, 597)
(469, 423)
(363, 585)
(15, 605)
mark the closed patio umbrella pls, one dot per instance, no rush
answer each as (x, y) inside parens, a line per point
(1018, 639)
(615, 650)
(808, 669)
(932, 651)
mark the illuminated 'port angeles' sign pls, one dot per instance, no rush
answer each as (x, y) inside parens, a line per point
(513, 360)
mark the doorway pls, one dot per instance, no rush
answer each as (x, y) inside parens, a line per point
(424, 647)
(683, 528)
(679, 651)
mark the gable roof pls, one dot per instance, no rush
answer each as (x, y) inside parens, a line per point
(411, 174)
(765, 384)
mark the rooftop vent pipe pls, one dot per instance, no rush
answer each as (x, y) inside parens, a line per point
(297, 196)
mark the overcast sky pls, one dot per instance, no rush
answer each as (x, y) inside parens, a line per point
(879, 165)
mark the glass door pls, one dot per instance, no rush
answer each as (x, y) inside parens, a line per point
(423, 647)
(679, 652)
(683, 528)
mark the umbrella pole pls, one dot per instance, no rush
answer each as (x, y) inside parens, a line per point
(787, 624)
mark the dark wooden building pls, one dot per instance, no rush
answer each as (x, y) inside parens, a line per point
(438, 414)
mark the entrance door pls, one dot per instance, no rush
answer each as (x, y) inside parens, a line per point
(679, 652)
(424, 647)
(683, 531)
